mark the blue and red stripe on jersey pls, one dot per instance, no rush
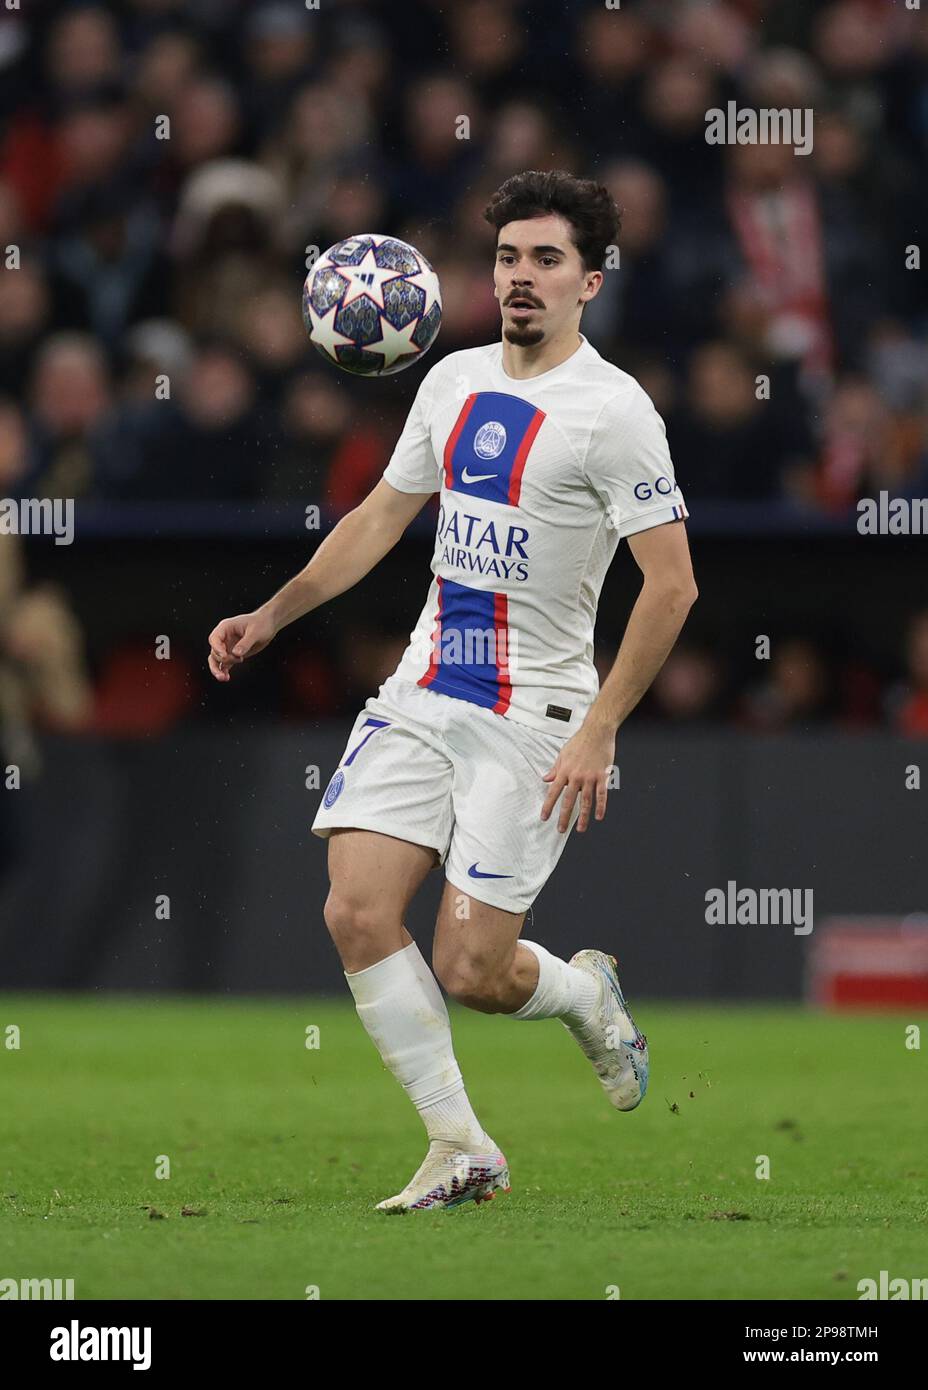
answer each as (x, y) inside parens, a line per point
(470, 646)
(498, 479)
(471, 637)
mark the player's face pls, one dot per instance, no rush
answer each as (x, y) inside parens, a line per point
(539, 279)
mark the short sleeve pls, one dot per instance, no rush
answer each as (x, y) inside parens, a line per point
(629, 467)
(413, 466)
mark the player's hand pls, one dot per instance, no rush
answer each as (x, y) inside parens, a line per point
(581, 769)
(234, 639)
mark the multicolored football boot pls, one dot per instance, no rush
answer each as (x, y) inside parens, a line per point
(448, 1178)
(610, 1037)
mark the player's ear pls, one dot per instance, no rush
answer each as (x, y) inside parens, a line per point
(592, 287)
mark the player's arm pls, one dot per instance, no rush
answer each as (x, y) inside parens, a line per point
(668, 591)
(350, 551)
(667, 594)
(629, 467)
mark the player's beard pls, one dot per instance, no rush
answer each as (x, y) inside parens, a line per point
(523, 334)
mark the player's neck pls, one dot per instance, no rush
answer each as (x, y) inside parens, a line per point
(521, 363)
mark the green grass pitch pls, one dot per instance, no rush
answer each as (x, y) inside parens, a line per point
(279, 1152)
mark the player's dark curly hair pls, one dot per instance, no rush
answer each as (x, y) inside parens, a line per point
(588, 206)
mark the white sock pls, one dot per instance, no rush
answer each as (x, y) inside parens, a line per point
(401, 1006)
(562, 991)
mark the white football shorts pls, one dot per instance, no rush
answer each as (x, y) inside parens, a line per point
(424, 767)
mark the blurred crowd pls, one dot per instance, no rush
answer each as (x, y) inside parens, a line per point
(289, 128)
(802, 686)
(145, 259)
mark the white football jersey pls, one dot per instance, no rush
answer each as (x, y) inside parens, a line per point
(539, 480)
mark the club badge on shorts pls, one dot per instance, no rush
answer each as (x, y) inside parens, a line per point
(334, 790)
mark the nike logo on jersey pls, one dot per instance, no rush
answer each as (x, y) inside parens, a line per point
(474, 872)
(468, 477)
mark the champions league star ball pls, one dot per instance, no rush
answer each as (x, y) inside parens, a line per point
(372, 305)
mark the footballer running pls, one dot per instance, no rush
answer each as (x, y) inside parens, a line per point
(492, 738)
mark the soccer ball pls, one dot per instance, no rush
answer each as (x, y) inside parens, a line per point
(372, 305)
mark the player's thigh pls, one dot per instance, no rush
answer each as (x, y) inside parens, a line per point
(502, 853)
(373, 878)
(376, 874)
(474, 943)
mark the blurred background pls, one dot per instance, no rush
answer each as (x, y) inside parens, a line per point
(136, 778)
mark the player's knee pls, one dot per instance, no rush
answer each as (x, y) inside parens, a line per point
(352, 923)
(470, 981)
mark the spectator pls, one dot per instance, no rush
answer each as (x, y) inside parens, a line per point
(206, 441)
(225, 239)
(109, 271)
(328, 457)
(797, 691)
(24, 320)
(70, 396)
(725, 440)
(688, 689)
(44, 684)
(636, 301)
(908, 703)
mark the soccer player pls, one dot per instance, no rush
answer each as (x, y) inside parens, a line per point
(492, 740)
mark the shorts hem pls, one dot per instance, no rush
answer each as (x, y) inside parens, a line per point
(371, 823)
(485, 894)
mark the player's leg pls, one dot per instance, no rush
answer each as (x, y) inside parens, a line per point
(396, 996)
(394, 781)
(502, 851)
(483, 963)
(373, 879)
